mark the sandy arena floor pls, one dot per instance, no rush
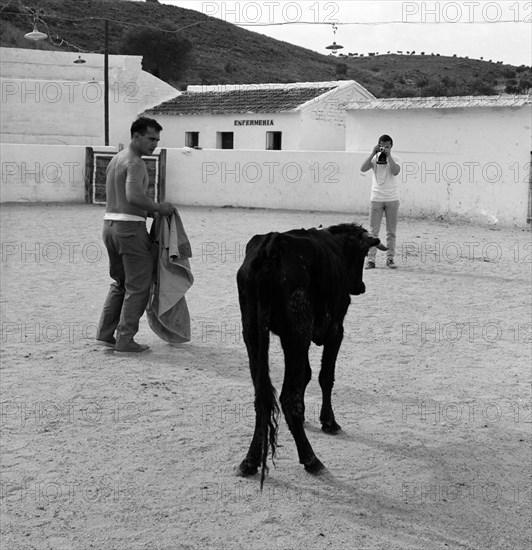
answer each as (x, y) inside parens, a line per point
(101, 451)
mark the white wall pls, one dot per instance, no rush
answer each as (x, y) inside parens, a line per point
(472, 162)
(298, 180)
(332, 181)
(42, 173)
(47, 99)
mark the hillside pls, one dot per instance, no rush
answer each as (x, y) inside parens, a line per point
(211, 51)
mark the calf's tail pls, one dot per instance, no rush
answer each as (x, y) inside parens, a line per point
(266, 404)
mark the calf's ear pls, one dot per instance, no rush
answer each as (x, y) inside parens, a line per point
(373, 241)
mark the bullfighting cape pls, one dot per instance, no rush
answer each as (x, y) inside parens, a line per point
(167, 310)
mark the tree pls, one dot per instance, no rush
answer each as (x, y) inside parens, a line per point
(480, 87)
(164, 55)
(341, 71)
(524, 86)
(511, 86)
(388, 88)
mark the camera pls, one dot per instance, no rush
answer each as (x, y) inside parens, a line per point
(381, 149)
(381, 158)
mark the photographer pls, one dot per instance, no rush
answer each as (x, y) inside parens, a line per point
(384, 196)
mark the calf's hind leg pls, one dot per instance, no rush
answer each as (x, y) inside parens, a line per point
(292, 395)
(251, 463)
(257, 357)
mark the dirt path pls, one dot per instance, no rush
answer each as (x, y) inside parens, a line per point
(109, 452)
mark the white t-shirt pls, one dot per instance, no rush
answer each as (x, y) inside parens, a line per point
(384, 187)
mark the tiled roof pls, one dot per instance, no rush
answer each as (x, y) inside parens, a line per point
(442, 102)
(268, 100)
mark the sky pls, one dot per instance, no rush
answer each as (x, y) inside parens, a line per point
(500, 31)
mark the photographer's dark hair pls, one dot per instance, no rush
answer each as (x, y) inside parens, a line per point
(386, 137)
(142, 124)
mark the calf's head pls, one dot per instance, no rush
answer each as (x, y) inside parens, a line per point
(355, 242)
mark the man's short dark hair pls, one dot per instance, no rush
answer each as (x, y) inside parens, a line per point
(386, 137)
(142, 124)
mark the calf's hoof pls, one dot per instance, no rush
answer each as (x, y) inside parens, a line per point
(314, 466)
(247, 468)
(331, 427)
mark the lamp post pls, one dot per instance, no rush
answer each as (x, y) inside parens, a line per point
(35, 35)
(106, 84)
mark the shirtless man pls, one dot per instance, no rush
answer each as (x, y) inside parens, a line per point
(131, 256)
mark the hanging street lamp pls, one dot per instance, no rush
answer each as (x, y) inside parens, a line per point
(334, 46)
(35, 35)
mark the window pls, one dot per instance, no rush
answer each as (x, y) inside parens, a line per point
(224, 140)
(191, 139)
(273, 141)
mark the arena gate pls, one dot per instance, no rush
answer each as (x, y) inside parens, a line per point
(96, 164)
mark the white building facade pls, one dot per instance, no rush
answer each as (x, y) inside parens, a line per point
(300, 116)
(48, 99)
(468, 156)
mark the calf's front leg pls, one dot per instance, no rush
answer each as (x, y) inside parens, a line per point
(326, 379)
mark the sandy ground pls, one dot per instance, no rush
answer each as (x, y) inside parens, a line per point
(113, 452)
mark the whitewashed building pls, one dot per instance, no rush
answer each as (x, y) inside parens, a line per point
(301, 116)
(47, 98)
(468, 155)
